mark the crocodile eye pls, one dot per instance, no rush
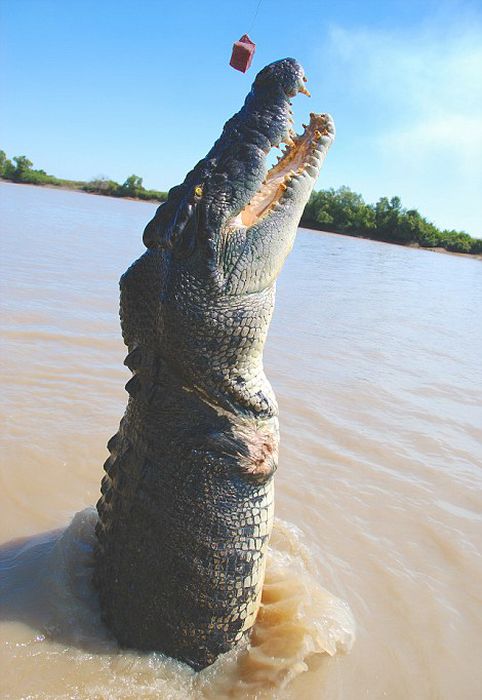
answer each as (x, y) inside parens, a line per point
(198, 191)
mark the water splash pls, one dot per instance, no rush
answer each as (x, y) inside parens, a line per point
(46, 584)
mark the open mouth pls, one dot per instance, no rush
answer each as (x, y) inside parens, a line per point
(303, 155)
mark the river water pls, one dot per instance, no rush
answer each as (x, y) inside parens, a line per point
(375, 356)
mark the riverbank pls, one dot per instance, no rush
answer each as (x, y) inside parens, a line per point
(457, 243)
(81, 190)
(434, 249)
(345, 211)
(106, 188)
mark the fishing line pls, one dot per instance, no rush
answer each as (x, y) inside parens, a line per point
(255, 15)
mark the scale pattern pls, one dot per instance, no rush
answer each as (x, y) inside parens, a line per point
(188, 492)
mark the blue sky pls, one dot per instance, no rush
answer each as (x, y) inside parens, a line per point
(118, 87)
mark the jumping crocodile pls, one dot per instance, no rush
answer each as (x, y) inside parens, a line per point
(187, 500)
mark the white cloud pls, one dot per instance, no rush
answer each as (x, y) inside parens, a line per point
(420, 93)
(455, 139)
(429, 69)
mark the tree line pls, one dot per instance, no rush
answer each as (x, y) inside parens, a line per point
(20, 169)
(344, 211)
(337, 210)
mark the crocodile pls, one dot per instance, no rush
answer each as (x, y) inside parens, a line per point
(186, 505)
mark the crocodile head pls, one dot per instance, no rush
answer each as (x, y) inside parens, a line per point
(233, 218)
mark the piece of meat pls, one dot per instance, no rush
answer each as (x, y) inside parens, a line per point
(243, 52)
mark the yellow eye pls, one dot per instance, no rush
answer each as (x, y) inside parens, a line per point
(198, 191)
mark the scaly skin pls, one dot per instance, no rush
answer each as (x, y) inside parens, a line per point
(187, 501)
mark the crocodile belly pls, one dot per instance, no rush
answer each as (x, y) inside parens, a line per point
(181, 553)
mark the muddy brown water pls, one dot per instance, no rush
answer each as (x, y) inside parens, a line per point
(375, 356)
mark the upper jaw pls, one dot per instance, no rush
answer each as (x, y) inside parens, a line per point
(231, 188)
(269, 107)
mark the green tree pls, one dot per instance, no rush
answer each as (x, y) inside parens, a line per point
(132, 186)
(317, 211)
(387, 219)
(350, 213)
(476, 246)
(7, 168)
(3, 163)
(457, 241)
(102, 185)
(23, 167)
(340, 210)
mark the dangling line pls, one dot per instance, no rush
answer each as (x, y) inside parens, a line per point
(255, 15)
